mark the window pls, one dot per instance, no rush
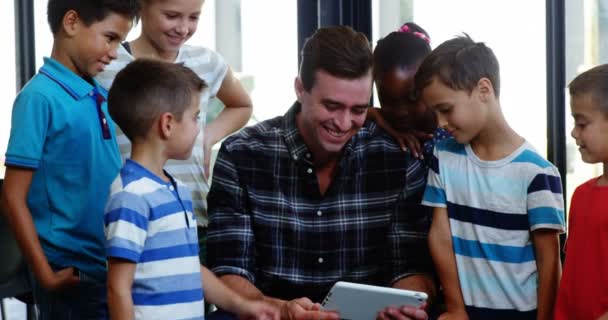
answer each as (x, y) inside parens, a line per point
(519, 47)
(586, 24)
(8, 83)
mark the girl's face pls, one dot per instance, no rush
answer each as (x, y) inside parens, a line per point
(397, 102)
(168, 24)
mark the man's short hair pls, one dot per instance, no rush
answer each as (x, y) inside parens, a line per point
(339, 50)
(90, 11)
(459, 63)
(145, 89)
(593, 82)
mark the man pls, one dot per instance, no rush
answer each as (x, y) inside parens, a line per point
(319, 195)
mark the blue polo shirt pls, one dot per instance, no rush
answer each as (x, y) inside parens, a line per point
(61, 129)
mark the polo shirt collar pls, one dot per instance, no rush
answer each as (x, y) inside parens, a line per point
(73, 84)
(295, 143)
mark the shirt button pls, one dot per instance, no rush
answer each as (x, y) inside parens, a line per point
(309, 170)
(295, 157)
(308, 155)
(92, 93)
(319, 213)
(170, 188)
(320, 260)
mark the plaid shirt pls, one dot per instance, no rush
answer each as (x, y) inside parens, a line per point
(269, 223)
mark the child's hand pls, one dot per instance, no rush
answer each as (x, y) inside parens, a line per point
(412, 141)
(604, 316)
(454, 315)
(257, 310)
(61, 279)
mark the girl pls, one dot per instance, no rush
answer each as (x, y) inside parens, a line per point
(396, 60)
(166, 25)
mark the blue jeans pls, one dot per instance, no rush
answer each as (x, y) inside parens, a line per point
(87, 300)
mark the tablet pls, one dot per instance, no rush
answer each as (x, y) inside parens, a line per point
(363, 302)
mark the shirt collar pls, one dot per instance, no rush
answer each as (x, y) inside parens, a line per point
(295, 143)
(74, 85)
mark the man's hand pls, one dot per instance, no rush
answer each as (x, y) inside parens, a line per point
(304, 309)
(257, 310)
(59, 280)
(402, 313)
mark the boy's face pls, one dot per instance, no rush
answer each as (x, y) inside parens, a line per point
(93, 47)
(185, 132)
(462, 114)
(398, 106)
(332, 112)
(590, 128)
(168, 24)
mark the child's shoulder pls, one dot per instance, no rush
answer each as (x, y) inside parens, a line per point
(199, 54)
(450, 145)
(529, 155)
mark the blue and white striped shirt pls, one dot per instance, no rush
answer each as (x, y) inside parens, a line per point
(150, 222)
(493, 206)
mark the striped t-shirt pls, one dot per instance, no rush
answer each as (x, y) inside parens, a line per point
(150, 222)
(493, 207)
(209, 66)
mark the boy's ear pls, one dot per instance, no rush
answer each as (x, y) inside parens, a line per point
(165, 122)
(485, 88)
(71, 22)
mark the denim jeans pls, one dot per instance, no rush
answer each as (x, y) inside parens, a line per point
(86, 300)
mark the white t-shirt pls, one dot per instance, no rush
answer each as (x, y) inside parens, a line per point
(209, 66)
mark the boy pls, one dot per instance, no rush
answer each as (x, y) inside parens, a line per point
(153, 266)
(583, 292)
(496, 201)
(62, 157)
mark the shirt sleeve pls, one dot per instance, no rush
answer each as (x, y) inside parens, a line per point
(126, 225)
(29, 129)
(545, 201)
(230, 242)
(434, 193)
(220, 69)
(407, 251)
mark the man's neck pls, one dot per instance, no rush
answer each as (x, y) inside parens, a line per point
(150, 157)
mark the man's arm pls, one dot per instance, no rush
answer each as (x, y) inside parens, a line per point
(120, 281)
(546, 246)
(440, 244)
(16, 186)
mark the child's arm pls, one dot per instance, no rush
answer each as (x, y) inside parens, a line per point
(236, 114)
(16, 186)
(440, 245)
(226, 299)
(120, 281)
(604, 316)
(407, 140)
(546, 246)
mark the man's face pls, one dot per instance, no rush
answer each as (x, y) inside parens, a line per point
(332, 111)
